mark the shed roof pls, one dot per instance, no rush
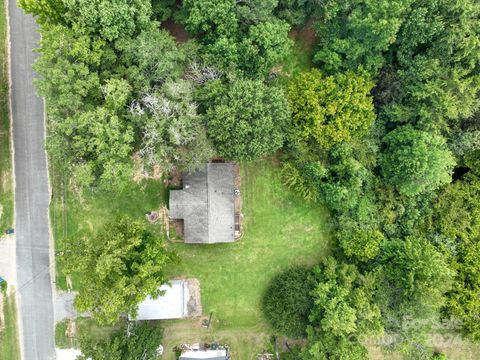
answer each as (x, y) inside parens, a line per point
(171, 305)
(206, 204)
(204, 355)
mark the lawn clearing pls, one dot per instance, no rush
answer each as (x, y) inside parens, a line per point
(9, 345)
(304, 42)
(281, 230)
(6, 187)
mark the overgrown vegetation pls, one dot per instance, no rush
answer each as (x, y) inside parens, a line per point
(384, 131)
(131, 342)
(123, 341)
(9, 343)
(6, 186)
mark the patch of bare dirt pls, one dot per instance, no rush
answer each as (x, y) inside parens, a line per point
(141, 173)
(194, 305)
(68, 280)
(71, 329)
(305, 33)
(174, 179)
(238, 203)
(176, 30)
(179, 229)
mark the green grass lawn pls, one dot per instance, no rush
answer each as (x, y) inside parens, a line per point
(281, 230)
(300, 59)
(9, 346)
(6, 188)
(72, 213)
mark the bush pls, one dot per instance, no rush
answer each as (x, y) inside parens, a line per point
(3, 286)
(287, 302)
(131, 342)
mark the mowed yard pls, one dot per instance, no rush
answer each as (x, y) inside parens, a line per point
(281, 230)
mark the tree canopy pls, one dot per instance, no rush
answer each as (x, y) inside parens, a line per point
(416, 161)
(371, 106)
(354, 34)
(287, 302)
(330, 109)
(108, 19)
(415, 277)
(173, 134)
(247, 120)
(118, 268)
(343, 311)
(456, 226)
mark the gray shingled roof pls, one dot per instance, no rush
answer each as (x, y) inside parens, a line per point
(206, 204)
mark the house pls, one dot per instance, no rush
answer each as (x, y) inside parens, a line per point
(206, 204)
(172, 305)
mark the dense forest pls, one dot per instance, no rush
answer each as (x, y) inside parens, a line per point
(383, 128)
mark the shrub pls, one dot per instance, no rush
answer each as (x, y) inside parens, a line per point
(287, 302)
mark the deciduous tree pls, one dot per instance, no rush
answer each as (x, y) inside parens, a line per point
(354, 34)
(100, 141)
(360, 243)
(46, 11)
(416, 161)
(118, 267)
(287, 302)
(415, 278)
(343, 310)
(68, 69)
(456, 227)
(210, 18)
(173, 133)
(436, 61)
(330, 109)
(266, 45)
(247, 120)
(149, 59)
(108, 19)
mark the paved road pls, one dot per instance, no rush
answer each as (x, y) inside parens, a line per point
(34, 286)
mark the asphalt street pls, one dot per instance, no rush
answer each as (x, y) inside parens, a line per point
(34, 285)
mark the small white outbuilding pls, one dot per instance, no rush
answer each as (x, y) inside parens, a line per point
(205, 355)
(67, 354)
(172, 305)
